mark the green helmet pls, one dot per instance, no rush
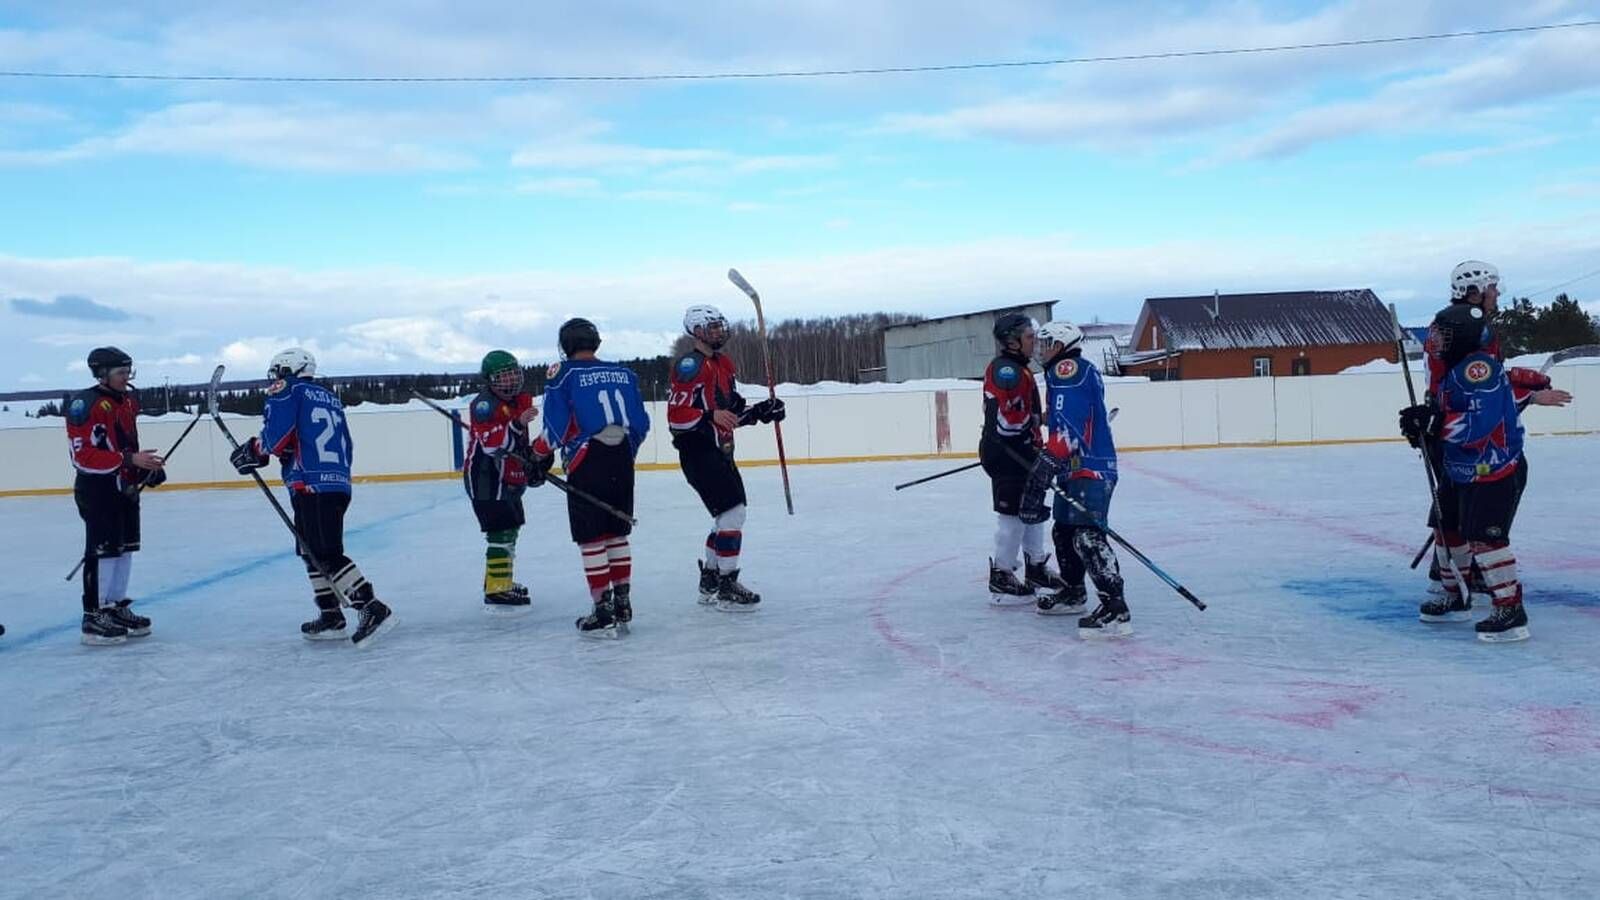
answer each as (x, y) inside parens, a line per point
(502, 372)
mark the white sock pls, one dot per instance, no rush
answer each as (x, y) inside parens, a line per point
(1007, 541)
(114, 575)
(1033, 542)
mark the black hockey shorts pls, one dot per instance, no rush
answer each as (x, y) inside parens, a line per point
(1487, 508)
(319, 518)
(711, 473)
(1008, 475)
(605, 473)
(110, 518)
(499, 515)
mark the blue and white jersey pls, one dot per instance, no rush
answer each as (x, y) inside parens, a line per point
(303, 425)
(1080, 430)
(583, 397)
(1482, 432)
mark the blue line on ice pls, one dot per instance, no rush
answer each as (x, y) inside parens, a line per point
(219, 576)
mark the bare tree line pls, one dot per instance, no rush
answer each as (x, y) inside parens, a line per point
(805, 351)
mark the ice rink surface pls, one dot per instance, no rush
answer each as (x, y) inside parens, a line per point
(875, 730)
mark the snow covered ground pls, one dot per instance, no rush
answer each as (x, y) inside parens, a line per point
(875, 730)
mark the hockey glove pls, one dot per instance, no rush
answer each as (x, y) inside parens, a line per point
(767, 411)
(1035, 507)
(539, 469)
(1418, 423)
(248, 457)
(156, 478)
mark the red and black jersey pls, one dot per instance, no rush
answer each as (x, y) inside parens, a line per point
(1011, 410)
(490, 470)
(701, 385)
(103, 432)
(1523, 381)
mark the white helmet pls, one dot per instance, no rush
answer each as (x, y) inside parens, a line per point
(701, 315)
(292, 363)
(1068, 335)
(1472, 274)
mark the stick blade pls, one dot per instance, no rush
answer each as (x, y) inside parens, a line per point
(741, 284)
(211, 392)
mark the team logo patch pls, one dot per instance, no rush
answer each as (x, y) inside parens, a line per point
(1478, 371)
(78, 409)
(105, 405)
(551, 372)
(480, 410)
(1066, 368)
(1006, 376)
(276, 387)
(688, 366)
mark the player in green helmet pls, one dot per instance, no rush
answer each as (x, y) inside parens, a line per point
(495, 475)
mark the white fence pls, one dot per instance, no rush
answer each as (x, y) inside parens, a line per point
(833, 427)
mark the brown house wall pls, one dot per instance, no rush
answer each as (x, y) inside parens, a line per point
(1328, 360)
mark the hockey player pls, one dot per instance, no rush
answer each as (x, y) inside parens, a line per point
(496, 474)
(103, 434)
(594, 416)
(1476, 284)
(1010, 442)
(702, 412)
(1481, 436)
(303, 425)
(1083, 457)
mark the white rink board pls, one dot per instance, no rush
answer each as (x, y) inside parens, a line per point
(1320, 408)
(875, 730)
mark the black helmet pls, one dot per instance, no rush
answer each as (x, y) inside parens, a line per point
(1010, 327)
(103, 359)
(1458, 331)
(576, 336)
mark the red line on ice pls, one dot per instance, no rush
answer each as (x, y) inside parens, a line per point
(1169, 736)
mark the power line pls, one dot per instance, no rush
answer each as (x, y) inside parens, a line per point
(1563, 284)
(800, 73)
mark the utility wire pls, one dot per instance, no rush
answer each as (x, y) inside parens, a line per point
(799, 73)
(1563, 284)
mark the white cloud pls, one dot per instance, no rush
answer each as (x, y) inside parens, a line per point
(185, 360)
(31, 378)
(1473, 154)
(563, 187)
(1086, 120)
(512, 316)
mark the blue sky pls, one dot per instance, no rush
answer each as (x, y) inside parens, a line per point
(412, 227)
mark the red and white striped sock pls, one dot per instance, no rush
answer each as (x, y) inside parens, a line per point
(1458, 553)
(620, 557)
(596, 568)
(1499, 567)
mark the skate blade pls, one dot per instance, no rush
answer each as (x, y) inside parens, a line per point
(96, 640)
(1062, 609)
(1012, 599)
(737, 607)
(138, 632)
(1464, 615)
(506, 612)
(608, 633)
(706, 600)
(1509, 636)
(383, 628)
(1106, 632)
(326, 636)
(624, 629)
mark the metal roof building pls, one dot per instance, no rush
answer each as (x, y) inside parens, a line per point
(958, 346)
(1234, 335)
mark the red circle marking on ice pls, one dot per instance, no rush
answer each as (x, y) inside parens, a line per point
(1169, 736)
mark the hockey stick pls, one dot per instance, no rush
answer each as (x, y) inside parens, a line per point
(1110, 417)
(1173, 583)
(299, 542)
(1427, 463)
(772, 388)
(1561, 356)
(145, 478)
(560, 484)
(1426, 546)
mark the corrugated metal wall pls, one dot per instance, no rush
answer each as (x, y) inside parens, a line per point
(956, 347)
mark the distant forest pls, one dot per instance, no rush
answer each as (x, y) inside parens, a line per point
(804, 351)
